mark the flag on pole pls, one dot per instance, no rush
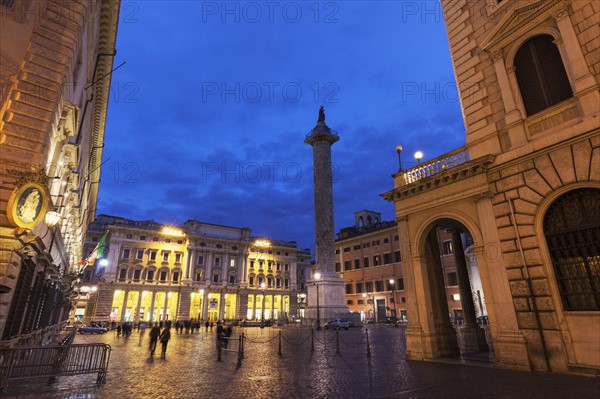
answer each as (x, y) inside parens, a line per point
(98, 251)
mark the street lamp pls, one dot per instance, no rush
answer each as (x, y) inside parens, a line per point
(262, 309)
(399, 150)
(418, 156)
(317, 277)
(393, 301)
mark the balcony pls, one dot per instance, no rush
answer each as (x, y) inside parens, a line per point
(443, 170)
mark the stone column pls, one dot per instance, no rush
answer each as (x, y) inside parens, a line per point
(126, 294)
(152, 307)
(136, 316)
(472, 336)
(164, 308)
(331, 288)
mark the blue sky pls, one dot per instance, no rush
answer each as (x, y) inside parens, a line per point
(208, 116)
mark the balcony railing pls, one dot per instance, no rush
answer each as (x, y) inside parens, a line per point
(437, 165)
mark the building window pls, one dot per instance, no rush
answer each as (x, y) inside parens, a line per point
(375, 243)
(175, 277)
(217, 261)
(215, 278)
(359, 287)
(347, 265)
(231, 262)
(360, 302)
(377, 260)
(447, 247)
(286, 283)
(348, 288)
(396, 238)
(122, 274)
(337, 251)
(541, 74)
(153, 255)
(278, 282)
(397, 257)
(452, 279)
(136, 274)
(177, 258)
(287, 266)
(400, 283)
(150, 275)
(154, 238)
(198, 276)
(356, 247)
(366, 262)
(251, 264)
(572, 231)
(349, 302)
(129, 236)
(347, 249)
(269, 281)
(338, 267)
(387, 258)
(378, 285)
(163, 275)
(231, 279)
(165, 257)
(369, 286)
(140, 254)
(269, 265)
(126, 253)
(357, 263)
(278, 266)
(251, 280)
(386, 240)
(142, 238)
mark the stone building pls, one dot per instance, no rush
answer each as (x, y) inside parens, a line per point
(526, 187)
(369, 259)
(195, 271)
(55, 64)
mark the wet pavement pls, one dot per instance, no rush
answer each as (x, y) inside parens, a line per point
(293, 370)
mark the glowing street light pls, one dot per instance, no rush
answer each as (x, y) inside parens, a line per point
(418, 156)
(399, 150)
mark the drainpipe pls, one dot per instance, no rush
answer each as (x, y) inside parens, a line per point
(530, 287)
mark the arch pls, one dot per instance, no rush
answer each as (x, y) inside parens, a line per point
(517, 44)
(468, 223)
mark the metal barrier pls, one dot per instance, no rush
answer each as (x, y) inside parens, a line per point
(53, 361)
(223, 344)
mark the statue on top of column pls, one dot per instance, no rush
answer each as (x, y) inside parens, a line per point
(321, 115)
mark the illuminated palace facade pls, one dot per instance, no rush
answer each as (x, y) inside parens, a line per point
(198, 271)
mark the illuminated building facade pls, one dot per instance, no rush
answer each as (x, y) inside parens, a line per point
(198, 271)
(55, 64)
(525, 187)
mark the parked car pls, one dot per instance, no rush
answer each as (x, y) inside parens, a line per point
(92, 329)
(336, 324)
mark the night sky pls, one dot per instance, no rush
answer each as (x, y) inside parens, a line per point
(208, 115)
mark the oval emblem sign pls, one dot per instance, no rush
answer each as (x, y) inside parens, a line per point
(27, 205)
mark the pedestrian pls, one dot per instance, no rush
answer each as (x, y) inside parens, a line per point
(154, 334)
(142, 329)
(118, 330)
(206, 325)
(165, 336)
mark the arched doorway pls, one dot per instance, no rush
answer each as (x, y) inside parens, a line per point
(457, 314)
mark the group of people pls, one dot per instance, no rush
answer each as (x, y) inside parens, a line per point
(164, 336)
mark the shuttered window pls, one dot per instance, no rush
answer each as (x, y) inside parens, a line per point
(541, 74)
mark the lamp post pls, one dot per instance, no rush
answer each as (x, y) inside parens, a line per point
(399, 150)
(52, 218)
(262, 309)
(317, 277)
(393, 301)
(418, 156)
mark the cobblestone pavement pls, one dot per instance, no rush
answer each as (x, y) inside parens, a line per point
(191, 370)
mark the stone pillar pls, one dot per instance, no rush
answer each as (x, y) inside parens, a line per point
(136, 316)
(152, 307)
(472, 336)
(164, 308)
(126, 294)
(331, 288)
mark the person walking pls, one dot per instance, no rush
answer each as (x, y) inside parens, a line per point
(165, 336)
(154, 334)
(142, 331)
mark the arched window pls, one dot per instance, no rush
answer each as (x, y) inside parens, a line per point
(572, 230)
(541, 74)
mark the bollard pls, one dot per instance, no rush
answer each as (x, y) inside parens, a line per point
(242, 345)
(368, 345)
(279, 351)
(219, 350)
(240, 353)
(337, 341)
(312, 340)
